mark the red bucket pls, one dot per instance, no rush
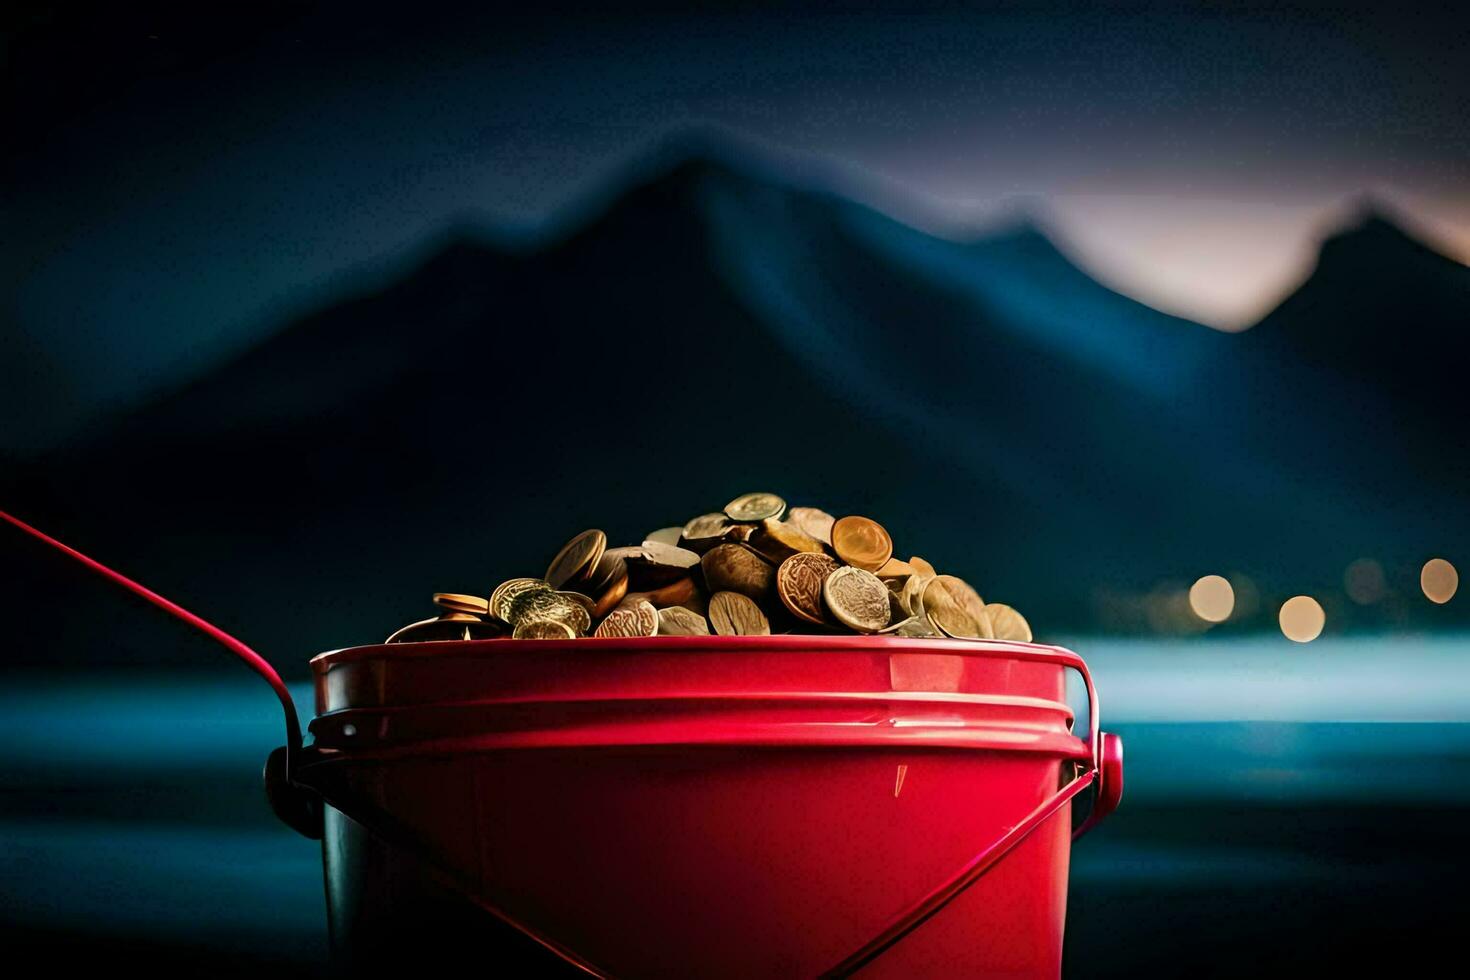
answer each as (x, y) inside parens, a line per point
(712, 806)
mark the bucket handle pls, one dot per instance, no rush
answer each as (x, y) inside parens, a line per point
(293, 811)
(1106, 774)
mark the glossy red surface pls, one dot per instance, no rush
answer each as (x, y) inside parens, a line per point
(713, 806)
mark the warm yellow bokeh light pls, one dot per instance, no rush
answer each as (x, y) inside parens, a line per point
(1212, 599)
(1439, 580)
(1302, 618)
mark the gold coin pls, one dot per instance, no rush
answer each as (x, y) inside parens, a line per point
(651, 564)
(1007, 623)
(740, 533)
(676, 593)
(799, 581)
(735, 568)
(582, 600)
(857, 598)
(911, 596)
(529, 604)
(608, 569)
(613, 594)
(633, 617)
(668, 556)
(956, 609)
(449, 616)
(704, 532)
(732, 614)
(543, 629)
(507, 592)
(895, 568)
(665, 535)
(755, 507)
(862, 543)
(678, 621)
(776, 540)
(815, 522)
(461, 603)
(923, 567)
(404, 634)
(443, 628)
(575, 615)
(543, 604)
(576, 559)
(896, 609)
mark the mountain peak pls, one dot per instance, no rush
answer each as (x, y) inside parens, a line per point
(1376, 279)
(1376, 232)
(692, 156)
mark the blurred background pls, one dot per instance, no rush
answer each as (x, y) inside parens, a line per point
(1148, 320)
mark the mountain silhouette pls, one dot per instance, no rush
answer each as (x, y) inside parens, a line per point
(1385, 313)
(715, 329)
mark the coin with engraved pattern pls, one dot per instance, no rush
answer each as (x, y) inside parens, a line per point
(857, 599)
(799, 581)
(632, 617)
(543, 629)
(678, 621)
(755, 507)
(577, 558)
(732, 614)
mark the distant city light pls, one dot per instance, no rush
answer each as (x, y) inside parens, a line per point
(1302, 619)
(1365, 582)
(1212, 598)
(1439, 580)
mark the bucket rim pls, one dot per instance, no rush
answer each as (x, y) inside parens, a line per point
(779, 643)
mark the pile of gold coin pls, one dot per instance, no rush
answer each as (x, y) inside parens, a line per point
(753, 569)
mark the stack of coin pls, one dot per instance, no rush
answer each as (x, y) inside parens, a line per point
(751, 569)
(461, 617)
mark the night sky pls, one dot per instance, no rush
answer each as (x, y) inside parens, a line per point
(177, 187)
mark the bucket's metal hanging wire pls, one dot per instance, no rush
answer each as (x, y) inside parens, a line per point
(252, 659)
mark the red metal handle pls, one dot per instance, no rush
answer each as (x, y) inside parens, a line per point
(252, 659)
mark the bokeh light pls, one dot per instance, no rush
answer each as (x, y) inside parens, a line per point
(1302, 619)
(1365, 582)
(1212, 598)
(1439, 580)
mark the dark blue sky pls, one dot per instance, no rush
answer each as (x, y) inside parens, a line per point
(176, 186)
